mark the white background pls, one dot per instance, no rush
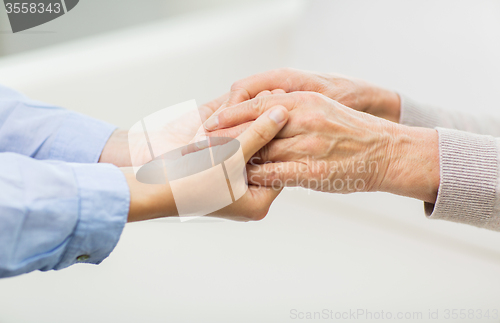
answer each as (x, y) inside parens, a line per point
(313, 251)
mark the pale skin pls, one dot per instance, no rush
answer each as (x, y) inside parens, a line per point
(154, 201)
(333, 120)
(330, 120)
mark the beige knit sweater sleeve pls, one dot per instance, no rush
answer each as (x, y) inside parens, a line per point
(469, 155)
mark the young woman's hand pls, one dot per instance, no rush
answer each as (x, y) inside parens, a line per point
(150, 201)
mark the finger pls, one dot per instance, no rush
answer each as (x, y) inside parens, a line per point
(223, 104)
(200, 143)
(276, 175)
(281, 148)
(249, 87)
(278, 91)
(207, 109)
(262, 131)
(203, 141)
(216, 106)
(250, 110)
(232, 132)
(263, 93)
(277, 150)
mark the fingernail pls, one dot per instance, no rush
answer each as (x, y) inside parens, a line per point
(277, 115)
(212, 123)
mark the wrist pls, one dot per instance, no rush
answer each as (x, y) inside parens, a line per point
(148, 201)
(413, 164)
(383, 103)
(116, 150)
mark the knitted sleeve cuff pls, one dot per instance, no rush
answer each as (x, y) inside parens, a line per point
(469, 177)
(417, 115)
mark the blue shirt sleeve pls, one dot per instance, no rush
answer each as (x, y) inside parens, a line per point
(54, 214)
(57, 205)
(43, 131)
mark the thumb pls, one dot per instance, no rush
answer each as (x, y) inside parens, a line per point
(262, 130)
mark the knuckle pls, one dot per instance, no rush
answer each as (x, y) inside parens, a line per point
(314, 97)
(262, 134)
(263, 153)
(304, 97)
(236, 85)
(256, 104)
(263, 93)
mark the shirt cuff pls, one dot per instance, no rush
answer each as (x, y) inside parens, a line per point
(104, 205)
(80, 139)
(416, 115)
(469, 174)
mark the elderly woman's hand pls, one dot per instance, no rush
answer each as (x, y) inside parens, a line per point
(351, 92)
(329, 147)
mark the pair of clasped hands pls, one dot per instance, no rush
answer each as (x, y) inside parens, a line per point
(323, 132)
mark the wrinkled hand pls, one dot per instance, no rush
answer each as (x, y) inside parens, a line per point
(351, 92)
(329, 147)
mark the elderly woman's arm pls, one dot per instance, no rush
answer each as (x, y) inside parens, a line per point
(469, 179)
(469, 189)
(329, 147)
